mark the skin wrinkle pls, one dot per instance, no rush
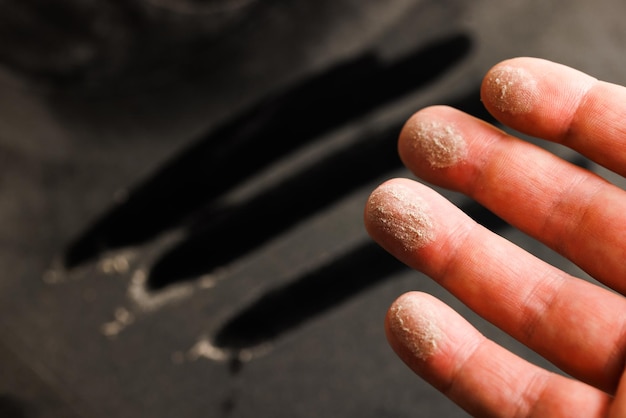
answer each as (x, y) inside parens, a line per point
(555, 212)
(476, 184)
(584, 229)
(449, 389)
(570, 131)
(534, 313)
(462, 235)
(619, 353)
(462, 356)
(530, 397)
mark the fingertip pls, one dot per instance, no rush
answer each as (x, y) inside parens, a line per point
(534, 95)
(431, 138)
(398, 218)
(412, 327)
(480, 376)
(510, 87)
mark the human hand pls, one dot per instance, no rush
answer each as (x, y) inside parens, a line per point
(578, 326)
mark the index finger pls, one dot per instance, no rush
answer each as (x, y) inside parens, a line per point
(558, 103)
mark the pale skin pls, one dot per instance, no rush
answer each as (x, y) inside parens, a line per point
(577, 325)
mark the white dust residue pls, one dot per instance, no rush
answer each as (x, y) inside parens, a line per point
(415, 327)
(122, 318)
(511, 90)
(440, 143)
(138, 291)
(397, 211)
(205, 349)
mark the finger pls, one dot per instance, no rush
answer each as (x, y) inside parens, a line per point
(574, 324)
(560, 104)
(618, 406)
(570, 209)
(478, 375)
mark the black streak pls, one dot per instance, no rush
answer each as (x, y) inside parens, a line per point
(286, 307)
(258, 137)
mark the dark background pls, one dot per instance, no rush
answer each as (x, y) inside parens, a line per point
(181, 189)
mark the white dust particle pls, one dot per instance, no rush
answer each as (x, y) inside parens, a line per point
(397, 211)
(415, 327)
(511, 90)
(439, 143)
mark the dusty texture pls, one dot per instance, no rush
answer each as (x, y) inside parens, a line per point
(439, 143)
(511, 90)
(415, 327)
(400, 214)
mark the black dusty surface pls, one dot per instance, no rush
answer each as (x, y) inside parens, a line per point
(182, 185)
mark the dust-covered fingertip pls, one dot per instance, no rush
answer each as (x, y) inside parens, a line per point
(510, 88)
(413, 327)
(398, 218)
(434, 139)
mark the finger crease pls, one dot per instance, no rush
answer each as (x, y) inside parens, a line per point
(532, 394)
(448, 389)
(461, 240)
(616, 365)
(570, 132)
(559, 211)
(538, 303)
